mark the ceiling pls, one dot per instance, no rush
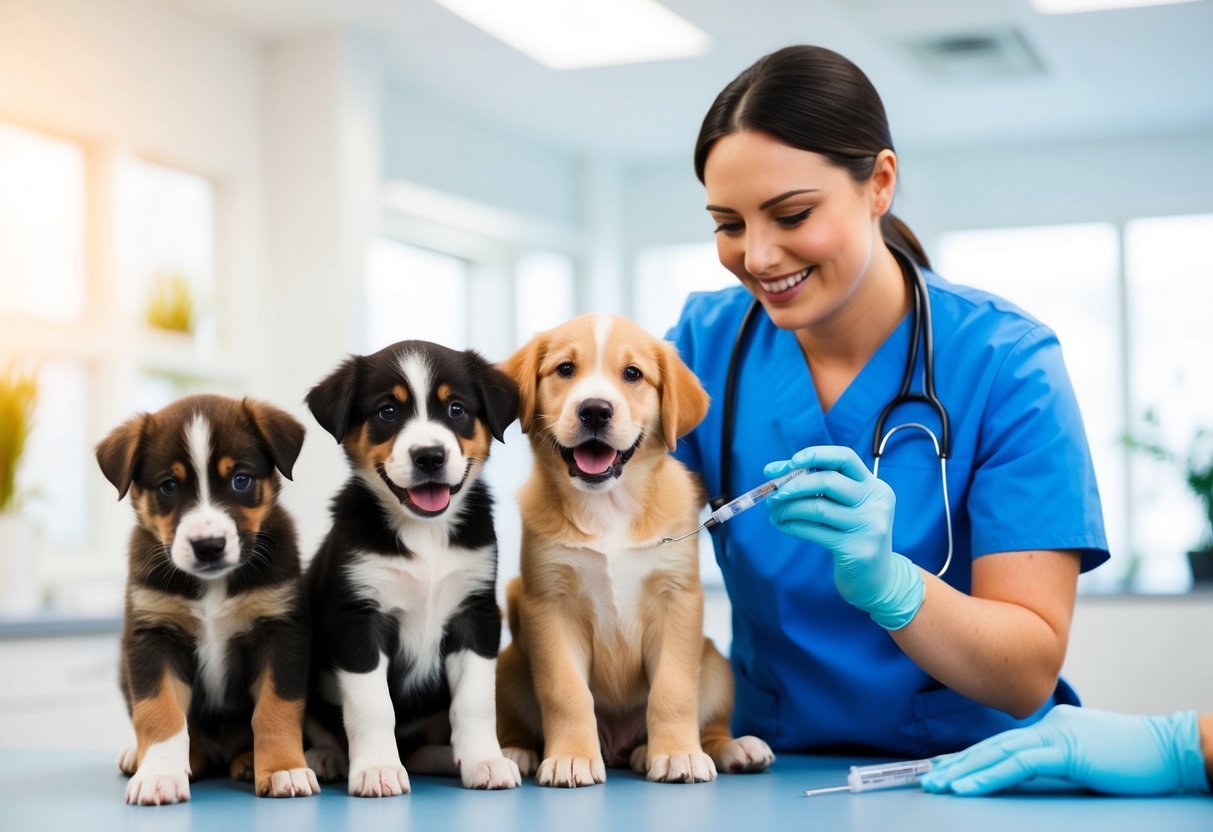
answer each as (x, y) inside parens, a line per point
(1102, 74)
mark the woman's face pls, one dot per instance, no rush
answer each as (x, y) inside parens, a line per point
(793, 227)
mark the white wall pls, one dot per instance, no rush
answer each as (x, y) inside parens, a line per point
(427, 144)
(1143, 654)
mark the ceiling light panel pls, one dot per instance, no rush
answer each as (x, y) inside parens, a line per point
(1076, 6)
(577, 34)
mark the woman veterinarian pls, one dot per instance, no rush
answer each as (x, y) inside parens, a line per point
(843, 635)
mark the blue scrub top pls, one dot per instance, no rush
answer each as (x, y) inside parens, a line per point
(813, 672)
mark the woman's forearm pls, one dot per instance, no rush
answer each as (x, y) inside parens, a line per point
(1004, 651)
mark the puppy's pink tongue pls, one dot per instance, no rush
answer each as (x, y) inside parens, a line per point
(593, 457)
(432, 497)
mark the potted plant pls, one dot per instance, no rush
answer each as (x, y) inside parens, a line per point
(18, 395)
(1197, 468)
(171, 306)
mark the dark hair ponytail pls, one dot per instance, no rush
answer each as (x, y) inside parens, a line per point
(813, 99)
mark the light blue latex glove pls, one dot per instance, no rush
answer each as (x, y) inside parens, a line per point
(1107, 752)
(841, 506)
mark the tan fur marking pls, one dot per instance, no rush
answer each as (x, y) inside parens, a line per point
(161, 715)
(226, 464)
(180, 472)
(149, 608)
(479, 445)
(155, 607)
(252, 518)
(277, 733)
(146, 511)
(444, 393)
(401, 393)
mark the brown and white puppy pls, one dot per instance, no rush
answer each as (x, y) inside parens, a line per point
(214, 649)
(609, 664)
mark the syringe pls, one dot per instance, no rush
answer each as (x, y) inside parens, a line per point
(883, 776)
(743, 503)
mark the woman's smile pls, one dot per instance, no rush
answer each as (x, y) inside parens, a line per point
(782, 289)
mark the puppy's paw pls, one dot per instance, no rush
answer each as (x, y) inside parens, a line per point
(525, 758)
(157, 788)
(241, 767)
(380, 781)
(639, 761)
(695, 767)
(329, 764)
(745, 754)
(292, 782)
(501, 773)
(126, 761)
(571, 772)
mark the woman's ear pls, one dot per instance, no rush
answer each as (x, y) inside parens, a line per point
(523, 368)
(883, 182)
(684, 402)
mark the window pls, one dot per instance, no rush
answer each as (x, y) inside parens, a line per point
(76, 284)
(412, 293)
(545, 295)
(665, 275)
(41, 227)
(1134, 338)
(166, 232)
(1169, 272)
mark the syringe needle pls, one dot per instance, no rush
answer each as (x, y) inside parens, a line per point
(696, 530)
(811, 792)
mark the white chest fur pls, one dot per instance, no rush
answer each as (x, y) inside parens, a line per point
(219, 620)
(422, 593)
(615, 582)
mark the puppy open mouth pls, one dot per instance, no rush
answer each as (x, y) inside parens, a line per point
(594, 461)
(427, 499)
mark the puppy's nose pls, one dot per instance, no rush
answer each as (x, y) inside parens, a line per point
(595, 414)
(209, 549)
(429, 459)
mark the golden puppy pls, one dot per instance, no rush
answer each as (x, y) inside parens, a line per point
(609, 664)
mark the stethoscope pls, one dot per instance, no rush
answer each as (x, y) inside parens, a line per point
(922, 330)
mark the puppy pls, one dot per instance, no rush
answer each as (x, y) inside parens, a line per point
(214, 654)
(609, 664)
(403, 589)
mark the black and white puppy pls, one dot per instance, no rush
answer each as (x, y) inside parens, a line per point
(402, 592)
(214, 651)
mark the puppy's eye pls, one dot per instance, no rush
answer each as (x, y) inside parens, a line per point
(455, 410)
(241, 483)
(387, 413)
(169, 488)
(565, 370)
(631, 373)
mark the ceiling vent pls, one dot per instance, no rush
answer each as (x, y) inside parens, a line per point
(976, 56)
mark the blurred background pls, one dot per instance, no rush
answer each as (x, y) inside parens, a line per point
(232, 195)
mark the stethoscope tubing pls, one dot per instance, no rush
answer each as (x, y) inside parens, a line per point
(922, 331)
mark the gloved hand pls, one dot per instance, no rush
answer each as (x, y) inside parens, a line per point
(841, 506)
(1107, 752)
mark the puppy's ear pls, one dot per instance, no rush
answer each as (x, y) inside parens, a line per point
(332, 399)
(684, 402)
(282, 433)
(116, 453)
(499, 393)
(523, 368)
